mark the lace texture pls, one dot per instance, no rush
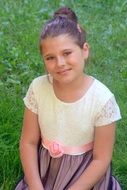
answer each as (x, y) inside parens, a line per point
(109, 113)
(30, 100)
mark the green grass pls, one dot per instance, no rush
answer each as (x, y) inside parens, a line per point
(20, 61)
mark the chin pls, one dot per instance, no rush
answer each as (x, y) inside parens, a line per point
(66, 80)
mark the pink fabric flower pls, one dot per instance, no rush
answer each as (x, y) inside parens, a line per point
(55, 150)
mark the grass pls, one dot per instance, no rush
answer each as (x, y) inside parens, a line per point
(20, 61)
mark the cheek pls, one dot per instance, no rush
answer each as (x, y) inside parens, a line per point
(72, 60)
(49, 66)
(75, 60)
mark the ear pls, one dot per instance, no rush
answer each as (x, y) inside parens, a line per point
(86, 50)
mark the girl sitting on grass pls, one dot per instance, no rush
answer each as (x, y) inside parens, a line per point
(69, 121)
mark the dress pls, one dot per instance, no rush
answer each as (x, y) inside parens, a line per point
(67, 131)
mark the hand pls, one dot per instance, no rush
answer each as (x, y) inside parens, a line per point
(77, 188)
(73, 188)
(41, 188)
(36, 187)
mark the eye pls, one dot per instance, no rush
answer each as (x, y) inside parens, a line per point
(67, 53)
(50, 58)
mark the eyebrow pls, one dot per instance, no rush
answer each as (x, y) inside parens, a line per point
(47, 55)
(67, 50)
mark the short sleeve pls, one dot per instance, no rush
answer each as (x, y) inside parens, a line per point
(109, 113)
(30, 100)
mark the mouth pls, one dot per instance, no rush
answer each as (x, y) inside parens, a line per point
(63, 72)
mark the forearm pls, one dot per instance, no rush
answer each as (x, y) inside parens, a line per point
(29, 159)
(102, 154)
(91, 175)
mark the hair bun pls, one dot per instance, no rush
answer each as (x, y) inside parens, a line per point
(66, 12)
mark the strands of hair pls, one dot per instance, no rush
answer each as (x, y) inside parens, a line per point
(64, 21)
(66, 13)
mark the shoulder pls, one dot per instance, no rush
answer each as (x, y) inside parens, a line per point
(40, 79)
(40, 82)
(101, 91)
(106, 107)
(100, 95)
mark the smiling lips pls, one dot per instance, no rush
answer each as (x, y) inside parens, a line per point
(63, 72)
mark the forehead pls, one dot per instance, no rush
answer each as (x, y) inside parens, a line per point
(59, 43)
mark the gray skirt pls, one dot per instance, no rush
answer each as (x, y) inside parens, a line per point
(60, 173)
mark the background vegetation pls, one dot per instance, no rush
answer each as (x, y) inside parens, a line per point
(20, 24)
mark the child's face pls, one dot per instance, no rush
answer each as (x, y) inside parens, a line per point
(63, 58)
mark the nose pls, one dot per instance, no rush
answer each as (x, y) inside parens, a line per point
(60, 61)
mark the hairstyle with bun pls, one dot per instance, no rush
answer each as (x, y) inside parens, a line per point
(67, 13)
(64, 21)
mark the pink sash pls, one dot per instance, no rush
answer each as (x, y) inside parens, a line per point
(57, 150)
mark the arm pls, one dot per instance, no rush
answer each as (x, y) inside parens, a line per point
(29, 150)
(102, 154)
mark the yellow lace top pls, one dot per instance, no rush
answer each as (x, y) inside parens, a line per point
(71, 124)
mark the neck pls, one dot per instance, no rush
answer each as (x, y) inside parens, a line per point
(72, 91)
(76, 84)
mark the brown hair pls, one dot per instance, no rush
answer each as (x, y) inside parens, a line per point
(64, 21)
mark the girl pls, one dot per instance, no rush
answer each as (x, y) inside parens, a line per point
(69, 115)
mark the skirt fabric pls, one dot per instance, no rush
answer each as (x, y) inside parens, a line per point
(60, 173)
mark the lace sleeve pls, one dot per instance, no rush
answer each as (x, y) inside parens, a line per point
(30, 101)
(108, 114)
